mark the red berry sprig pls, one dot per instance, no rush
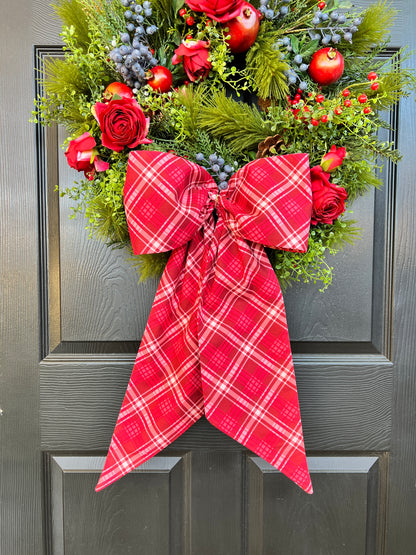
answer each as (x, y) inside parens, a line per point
(321, 5)
(372, 76)
(182, 12)
(362, 99)
(190, 21)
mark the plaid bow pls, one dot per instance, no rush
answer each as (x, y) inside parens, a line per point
(216, 342)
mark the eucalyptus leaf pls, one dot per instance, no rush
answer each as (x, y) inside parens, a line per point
(177, 5)
(295, 44)
(309, 48)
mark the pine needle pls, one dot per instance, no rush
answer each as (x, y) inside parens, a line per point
(374, 29)
(72, 12)
(265, 68)
(241, 126)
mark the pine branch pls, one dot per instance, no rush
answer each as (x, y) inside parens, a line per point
(241, 126)
(265, 68)
(72, 13)
(374, 29)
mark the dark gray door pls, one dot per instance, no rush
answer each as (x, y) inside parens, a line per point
(72, 317)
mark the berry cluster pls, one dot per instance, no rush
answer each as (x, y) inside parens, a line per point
(217, 168)
(300, 66)
(134, 56)
(331, 27)
(274, 9)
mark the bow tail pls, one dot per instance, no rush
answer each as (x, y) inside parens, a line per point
(164, 395)
(247, 371)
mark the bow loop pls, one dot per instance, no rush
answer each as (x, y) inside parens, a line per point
(166, 199)
(269, 202)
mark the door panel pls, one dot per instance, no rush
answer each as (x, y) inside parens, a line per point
(75, 315)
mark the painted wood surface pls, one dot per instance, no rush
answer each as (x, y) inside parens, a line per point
(75, 308)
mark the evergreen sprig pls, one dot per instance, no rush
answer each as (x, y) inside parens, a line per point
(265, 67)
(237, 123)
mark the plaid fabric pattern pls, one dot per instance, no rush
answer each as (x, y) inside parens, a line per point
(216, 342)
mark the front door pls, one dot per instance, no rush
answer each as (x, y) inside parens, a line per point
(73, 315)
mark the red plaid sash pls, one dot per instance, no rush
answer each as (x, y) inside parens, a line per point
(216, 342)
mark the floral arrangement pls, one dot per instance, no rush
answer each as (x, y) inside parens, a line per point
(222, 82)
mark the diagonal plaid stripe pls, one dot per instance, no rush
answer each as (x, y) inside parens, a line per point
(216, 342)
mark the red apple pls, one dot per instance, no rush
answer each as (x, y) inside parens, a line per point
(327, 66)
(242, 29)
(120, 89)
(160, 79)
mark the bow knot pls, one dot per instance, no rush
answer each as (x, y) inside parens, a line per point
(216, 342)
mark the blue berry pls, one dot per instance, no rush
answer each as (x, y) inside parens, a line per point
(228, 168)
(326, 39)
(292, 79)
(348, 37)
(125, 3)
(130, 27)
(357, 21)
(215, 168)
(341, 18)
(324, 17)
(269, 14)
(124, 49)
(128, 14)
(334, 16)
(336, 38)
(138, 8)
(303, 85)
(151, 29)
(147, 13)
(223, 176)
(223, 185)
(284, 10)
(303, 67)
(220, 162)
(146, 4)
(199, 157)
(286, 41)
(316, 21)
(213, 158)
(125, 37)
(297, 59)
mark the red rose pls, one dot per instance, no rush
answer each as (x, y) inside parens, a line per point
(194, 55)
(333, 159)
(122, 123)
(219, 10)
(328, 200)
(81, 156)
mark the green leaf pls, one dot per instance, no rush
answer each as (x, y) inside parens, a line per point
(295, 44)
(177, 5)
(309, 48)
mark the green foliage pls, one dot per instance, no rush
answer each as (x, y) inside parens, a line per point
(312, 267)
(72, 14)
(265, 67)
(374, 29)
(149, 265)
(240, 125)
(219, 115)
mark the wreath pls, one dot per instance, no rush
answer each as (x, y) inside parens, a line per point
(221, 83)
